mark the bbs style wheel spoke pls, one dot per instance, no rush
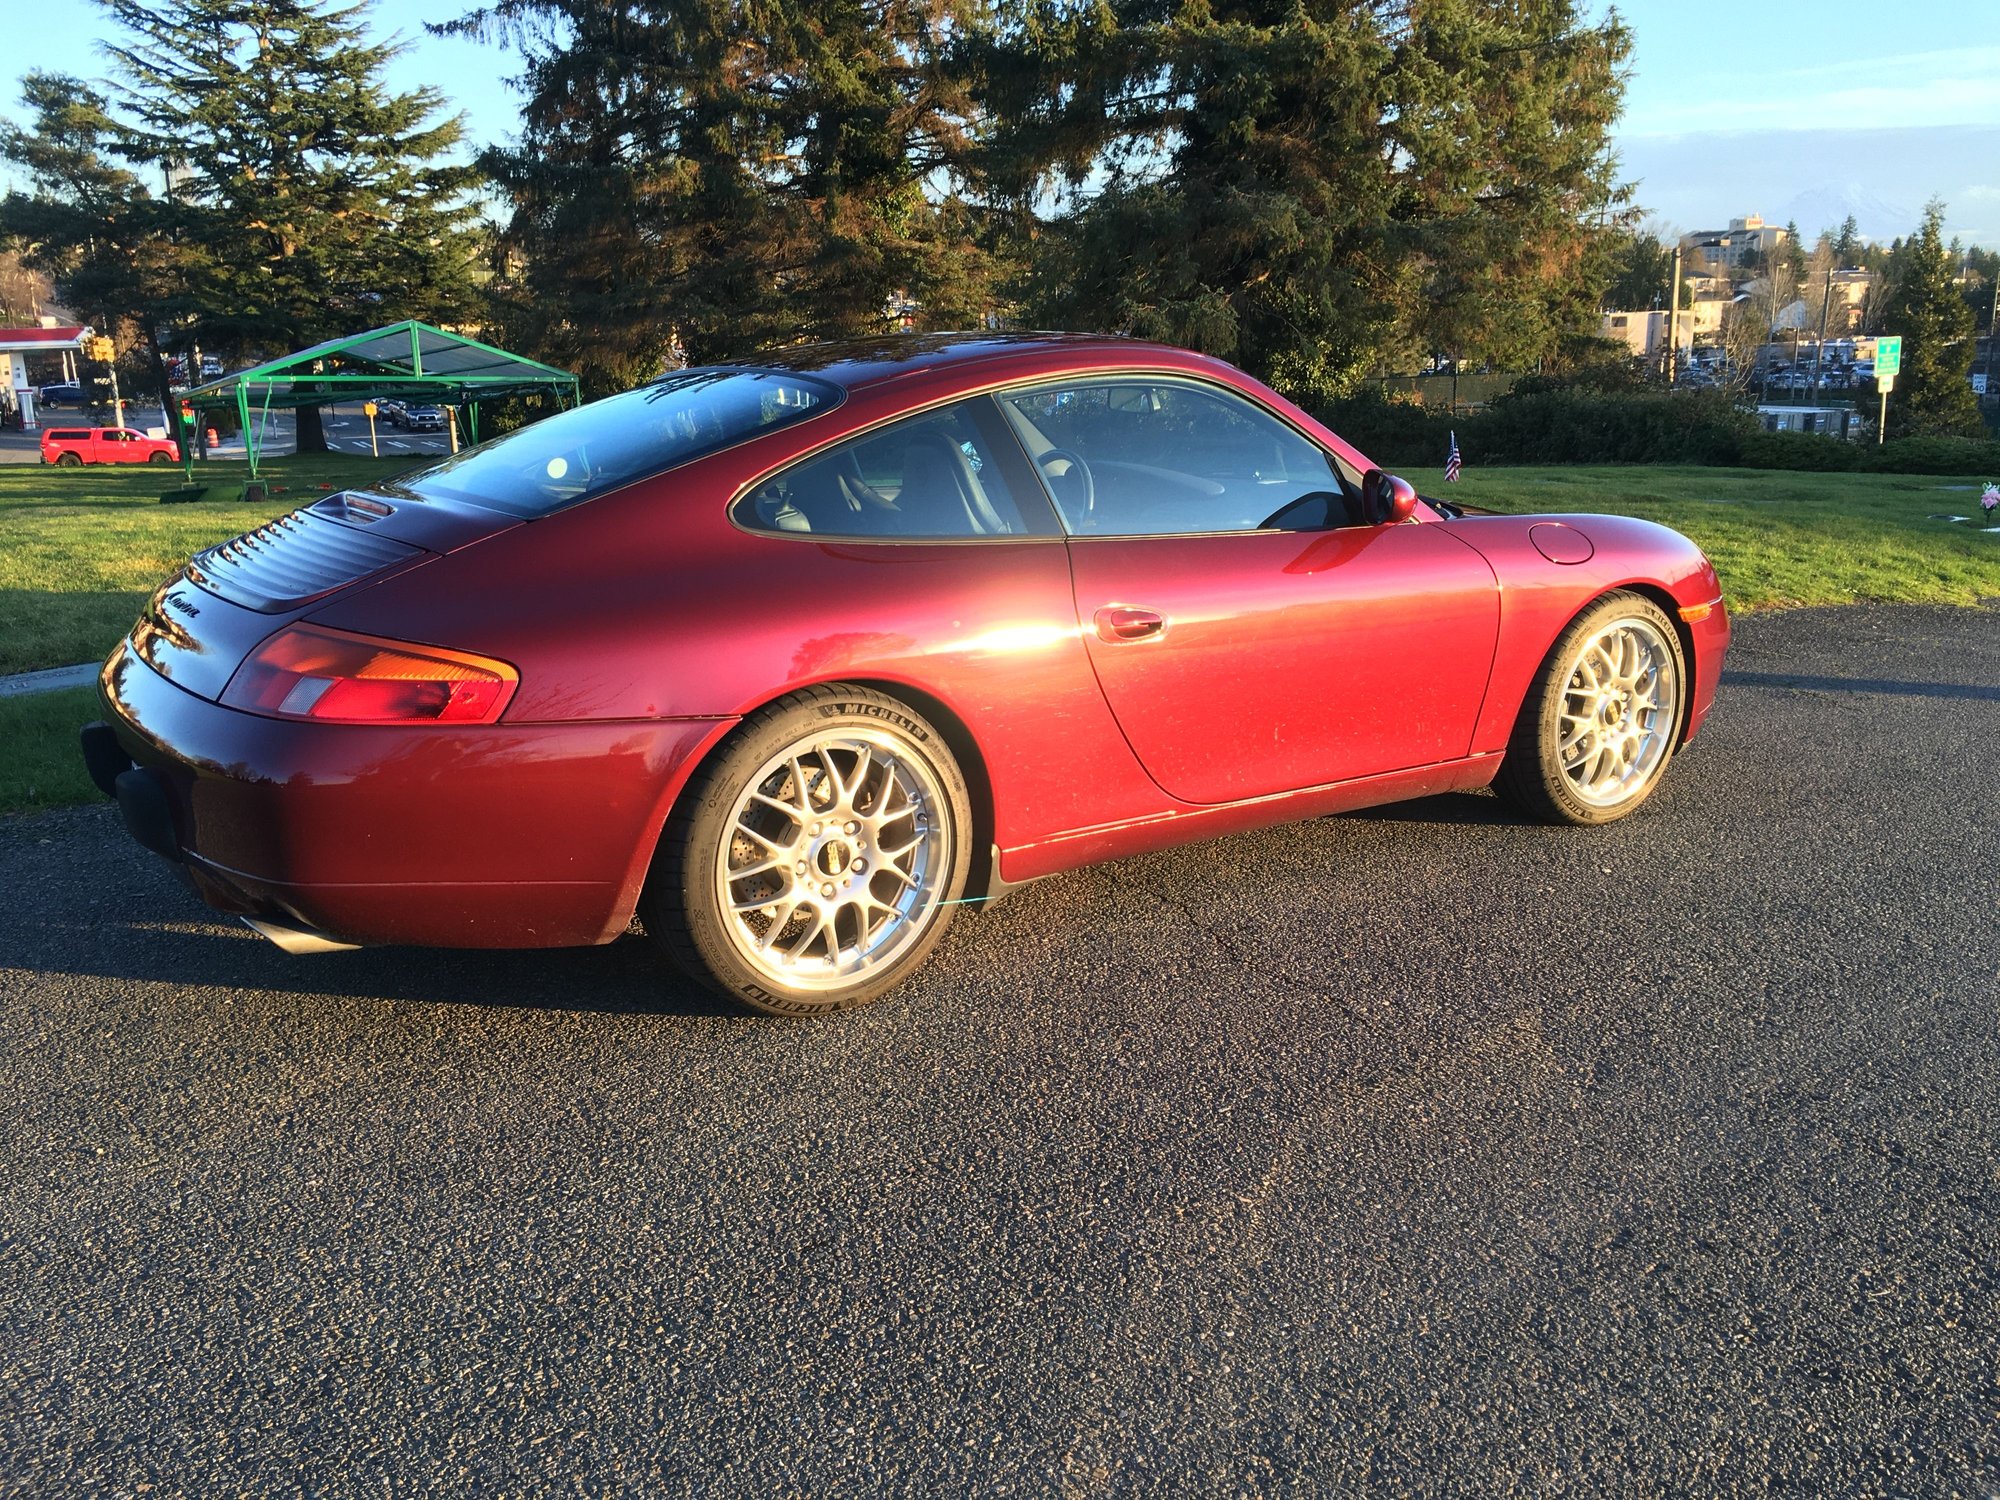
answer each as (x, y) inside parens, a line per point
(1612, 735)
(834, 861)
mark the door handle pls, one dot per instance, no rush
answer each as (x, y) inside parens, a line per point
(1124, 622)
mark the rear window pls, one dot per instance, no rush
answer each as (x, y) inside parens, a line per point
(68, 435)
(577, 454)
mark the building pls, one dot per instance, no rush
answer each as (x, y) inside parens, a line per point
(16, 344)
(1644, 334)
(1722, 252)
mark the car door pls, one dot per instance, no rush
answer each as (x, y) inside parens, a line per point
(1250, 637)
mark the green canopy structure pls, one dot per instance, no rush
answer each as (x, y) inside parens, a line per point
(402, 361)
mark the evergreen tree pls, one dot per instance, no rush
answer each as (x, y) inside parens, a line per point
(1311, 187)
(310, 200)
(1847, 245)
(726, 175)
(1641, 264)
(1933, 395)
(110, 246)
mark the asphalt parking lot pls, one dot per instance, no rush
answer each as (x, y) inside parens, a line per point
(1420, 1151)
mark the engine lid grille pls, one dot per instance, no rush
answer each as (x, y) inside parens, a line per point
(292, 561)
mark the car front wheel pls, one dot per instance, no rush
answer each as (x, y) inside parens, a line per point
(818, 858)
(159, 458)
(1601, 717)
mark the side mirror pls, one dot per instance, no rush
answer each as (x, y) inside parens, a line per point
(1385, 499)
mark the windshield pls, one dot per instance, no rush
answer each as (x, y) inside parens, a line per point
(576, 454)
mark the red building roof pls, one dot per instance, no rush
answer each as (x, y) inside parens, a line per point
(26, 340)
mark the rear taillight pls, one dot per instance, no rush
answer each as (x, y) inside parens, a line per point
(334, 677)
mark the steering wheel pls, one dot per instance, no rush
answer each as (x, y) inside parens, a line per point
(1078, 469)
(1325, 499)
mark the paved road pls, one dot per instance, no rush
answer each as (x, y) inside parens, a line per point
(1419, 1152)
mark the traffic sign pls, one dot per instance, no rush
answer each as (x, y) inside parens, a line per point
(1885, 383)
(1888, 358)
(1979, 385)
(368, 408)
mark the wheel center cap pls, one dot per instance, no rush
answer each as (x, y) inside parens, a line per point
(833, 856)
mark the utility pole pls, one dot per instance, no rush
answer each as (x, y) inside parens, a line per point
(1673, 320)
(1819, 353)
(1992, 327)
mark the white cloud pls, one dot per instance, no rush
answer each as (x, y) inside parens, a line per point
(1914, 89)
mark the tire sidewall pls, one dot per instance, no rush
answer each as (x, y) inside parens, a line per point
(1547, 725)
(696, 926)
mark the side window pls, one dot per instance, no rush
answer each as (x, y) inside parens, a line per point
(1139, 456)
(938, 476)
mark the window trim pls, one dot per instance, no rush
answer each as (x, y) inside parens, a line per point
(1212, 387)
(1023, 483)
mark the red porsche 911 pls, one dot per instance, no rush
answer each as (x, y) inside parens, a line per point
(792, 658)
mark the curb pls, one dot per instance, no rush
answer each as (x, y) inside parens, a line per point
(49, 680)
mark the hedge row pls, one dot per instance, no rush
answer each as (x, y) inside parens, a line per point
(1582, 426)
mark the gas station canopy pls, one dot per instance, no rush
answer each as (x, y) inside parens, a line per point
(407, 360)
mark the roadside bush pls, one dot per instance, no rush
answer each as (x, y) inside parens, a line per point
(1801, 451)
(1396, 434)
(1580, 426)
(1932, 455)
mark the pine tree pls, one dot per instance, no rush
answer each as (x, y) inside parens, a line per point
(1312, 186)
(1933, 393)
(92, 225)
(1847, 245)
(721, 176)
(312, 200)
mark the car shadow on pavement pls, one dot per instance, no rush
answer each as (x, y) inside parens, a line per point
(1890, 686)
(1480, 809)
(624, 977)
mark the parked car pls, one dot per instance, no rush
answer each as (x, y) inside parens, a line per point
(68, 393)
(70, 446)
(421, 418)
(388, 409)
(795, 658)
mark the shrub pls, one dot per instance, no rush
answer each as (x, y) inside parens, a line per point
(1798, 450)
(1584, 426)
(1932, 455)
(1396, 434)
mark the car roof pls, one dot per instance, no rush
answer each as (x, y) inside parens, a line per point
(949, 358)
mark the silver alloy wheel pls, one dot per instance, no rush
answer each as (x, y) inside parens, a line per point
(835, 859)
(1621, 701)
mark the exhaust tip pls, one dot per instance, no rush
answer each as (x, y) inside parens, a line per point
(296, 939)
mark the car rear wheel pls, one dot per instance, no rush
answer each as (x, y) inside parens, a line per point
(1601, 717)
(818, 858)
(68, 461)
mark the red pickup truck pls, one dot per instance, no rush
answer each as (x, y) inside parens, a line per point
(70, 446)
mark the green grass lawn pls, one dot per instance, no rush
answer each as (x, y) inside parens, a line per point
(42, 766)
(1777, 538)
(80, 549)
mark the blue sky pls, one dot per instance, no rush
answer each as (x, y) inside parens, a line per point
(1780, 109)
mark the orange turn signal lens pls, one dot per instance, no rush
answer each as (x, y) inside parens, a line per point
(1694, 614)
(335, 677)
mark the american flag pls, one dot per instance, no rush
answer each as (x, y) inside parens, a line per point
(1451, 462)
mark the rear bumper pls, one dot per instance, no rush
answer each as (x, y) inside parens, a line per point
(496, 836)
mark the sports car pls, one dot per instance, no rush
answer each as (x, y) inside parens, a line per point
(792, 660)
